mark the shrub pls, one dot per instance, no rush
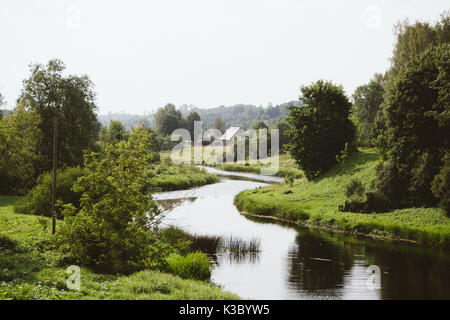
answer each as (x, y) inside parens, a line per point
(39, 200)
(354, 189)
(192, 266)
(112, 230)
(441, 186)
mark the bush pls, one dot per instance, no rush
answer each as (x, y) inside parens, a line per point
(39, 200)
(112, 230)
(441, 186)
(354, 189)
(192, 266)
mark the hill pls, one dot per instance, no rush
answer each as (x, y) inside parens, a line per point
(241, 115)
(315, 204)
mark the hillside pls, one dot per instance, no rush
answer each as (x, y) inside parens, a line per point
(238, 115)
(315, 203)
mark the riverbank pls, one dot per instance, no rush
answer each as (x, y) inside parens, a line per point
(316, 203)
(30, 269)
(179, 177)
(286, 165)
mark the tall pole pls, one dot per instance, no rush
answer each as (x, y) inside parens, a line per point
(55, 128)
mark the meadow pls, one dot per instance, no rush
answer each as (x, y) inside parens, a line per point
(31, 268)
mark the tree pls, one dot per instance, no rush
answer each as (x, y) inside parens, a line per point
(71, 100)
(321, 128)
(367, 102)
(190, 120)
(114, 133)
(111, 232)
(283, 127)
(417, 109)
(259, 125)
(19, 140)
(168, 119)
(219, 124)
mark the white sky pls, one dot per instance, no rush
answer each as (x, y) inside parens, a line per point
(143, 54)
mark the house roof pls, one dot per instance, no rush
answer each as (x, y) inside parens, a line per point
(230, 133)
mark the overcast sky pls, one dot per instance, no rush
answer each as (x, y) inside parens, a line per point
(143, 54)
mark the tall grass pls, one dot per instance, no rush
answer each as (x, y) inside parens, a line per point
(192, 266)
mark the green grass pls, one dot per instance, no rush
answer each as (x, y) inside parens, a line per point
(30, 268)
(195, 265)
(316, 203)
(179, 177)
(286, 167)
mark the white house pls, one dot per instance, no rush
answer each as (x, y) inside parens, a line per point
(231, 133)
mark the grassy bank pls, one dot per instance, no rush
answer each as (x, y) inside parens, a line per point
(168, 177)
(316, 203)
(286, 167)
(30, 268)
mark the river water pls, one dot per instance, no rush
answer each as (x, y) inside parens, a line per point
(302, 263)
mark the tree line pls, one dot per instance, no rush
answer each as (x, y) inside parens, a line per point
(404, 113)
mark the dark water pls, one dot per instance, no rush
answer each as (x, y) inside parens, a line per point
(300, 263)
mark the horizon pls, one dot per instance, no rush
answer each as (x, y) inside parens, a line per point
(203, 53)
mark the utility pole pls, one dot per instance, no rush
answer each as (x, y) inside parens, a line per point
(55, 133)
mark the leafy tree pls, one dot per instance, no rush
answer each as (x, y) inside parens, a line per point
(114, 133)
(219, 124)
(412, 40)
(71, 100)
(321, 128)
(190, 119)
(441, 185)
(259, 125)
(367, 101)
(283, 127)
(168, 119)
(417, 109)
(19, 139)
(111, 232)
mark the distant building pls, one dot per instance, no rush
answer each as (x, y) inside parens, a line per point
(231, 133)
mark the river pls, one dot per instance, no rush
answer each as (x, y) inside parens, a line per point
(302, 263)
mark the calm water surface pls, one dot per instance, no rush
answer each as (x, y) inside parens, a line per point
(300, 263)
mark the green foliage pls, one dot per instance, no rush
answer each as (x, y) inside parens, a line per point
(189, 121)
(441, 185)
(19, 140)
(71, 100)
(111, 232)
(283, 127)
(367, 101)
(259, 125)
(219, 124)
(192, 266)
(39, 200)
(321, 128)
(114, 133)
(355, 188)
(167, 176)
(168, 119)
(241, 115)
(30, 269)
(315, 204)
(418, 129)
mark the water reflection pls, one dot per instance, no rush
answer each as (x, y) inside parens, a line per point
(299, 263)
